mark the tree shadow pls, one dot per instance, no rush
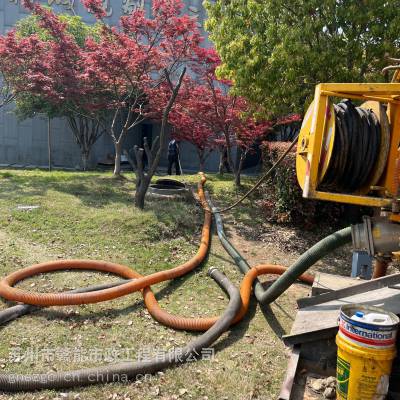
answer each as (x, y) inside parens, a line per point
(97, 197)
(93, 190)
(272, 321)
(96, 190)
(50, 314)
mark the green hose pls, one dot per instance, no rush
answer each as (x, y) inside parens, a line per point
(305, 261)
(239, 260)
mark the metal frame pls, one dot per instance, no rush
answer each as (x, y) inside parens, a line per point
(388, 93)
(363, 287)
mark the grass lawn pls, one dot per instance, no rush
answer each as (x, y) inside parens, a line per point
(91, 215)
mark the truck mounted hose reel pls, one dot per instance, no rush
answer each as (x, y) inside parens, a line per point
(354, 150)
(350, 154)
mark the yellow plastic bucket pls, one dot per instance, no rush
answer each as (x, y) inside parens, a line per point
(362, 373)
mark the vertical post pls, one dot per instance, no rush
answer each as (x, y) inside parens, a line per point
(361, 265)
(49, 141)
(394, 119)
(316, 136)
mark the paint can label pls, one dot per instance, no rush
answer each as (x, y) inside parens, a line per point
(367, 337)
(343, 377)
(366, 334)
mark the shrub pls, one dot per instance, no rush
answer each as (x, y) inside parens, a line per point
(282, 196)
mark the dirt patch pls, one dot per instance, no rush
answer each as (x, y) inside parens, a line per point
(282, 245)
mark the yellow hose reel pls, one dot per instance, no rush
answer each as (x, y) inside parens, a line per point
(320, 136)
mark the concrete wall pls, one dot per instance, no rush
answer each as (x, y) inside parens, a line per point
(190, 160)
(25, 142)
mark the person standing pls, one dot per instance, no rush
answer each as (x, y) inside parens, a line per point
(173, 157)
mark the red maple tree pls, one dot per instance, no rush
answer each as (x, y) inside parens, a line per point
(208, 116)
(20, 59)
(134, 71)
(187, 124)
(134, 67)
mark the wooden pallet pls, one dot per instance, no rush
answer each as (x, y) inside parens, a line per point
(318, 315)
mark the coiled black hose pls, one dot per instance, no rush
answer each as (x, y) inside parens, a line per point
(126, 370)
(355, 150)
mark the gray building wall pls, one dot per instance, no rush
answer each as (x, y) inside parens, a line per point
(25, 143)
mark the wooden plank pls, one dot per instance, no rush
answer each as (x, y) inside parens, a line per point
(349, 291)
(287, 385)
(324, 283)
(309, 336)
(320, 320)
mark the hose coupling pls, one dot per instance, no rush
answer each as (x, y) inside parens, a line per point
(376, 236)
(211, 271)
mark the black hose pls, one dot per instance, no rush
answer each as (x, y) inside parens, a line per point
(130, 370)
(264, 177)
(11, 313)
(305, 261)
(355, 150)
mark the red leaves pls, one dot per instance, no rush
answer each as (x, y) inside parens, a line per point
(95, 7)
(189, 120)
(288, 119)
(24, 64)
(121, 68)
(207, 115)
(127, 65)
(48, 20)
(43, 68)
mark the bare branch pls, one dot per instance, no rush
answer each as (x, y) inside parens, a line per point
(168, 78)
(139, 164)
(130, 159)
(167, 110)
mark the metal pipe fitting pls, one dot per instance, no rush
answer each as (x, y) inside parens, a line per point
(376, 236)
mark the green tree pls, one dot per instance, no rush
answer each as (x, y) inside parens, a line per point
(276, 51)
(86, 130)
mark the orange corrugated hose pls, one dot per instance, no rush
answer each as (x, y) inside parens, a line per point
(61, 299)
(140, 283)
(202, 324)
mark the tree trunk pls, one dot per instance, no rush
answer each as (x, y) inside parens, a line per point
(141, 191)
(237, 178)
(201, 165)
(117, 162)
(238, 171)
(86, 133)
(49, 141)
(85, 160)
(228, 143)
(202, 160)
(221, 164)
(157, 149)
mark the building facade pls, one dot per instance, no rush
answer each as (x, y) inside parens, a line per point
(26, 143)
